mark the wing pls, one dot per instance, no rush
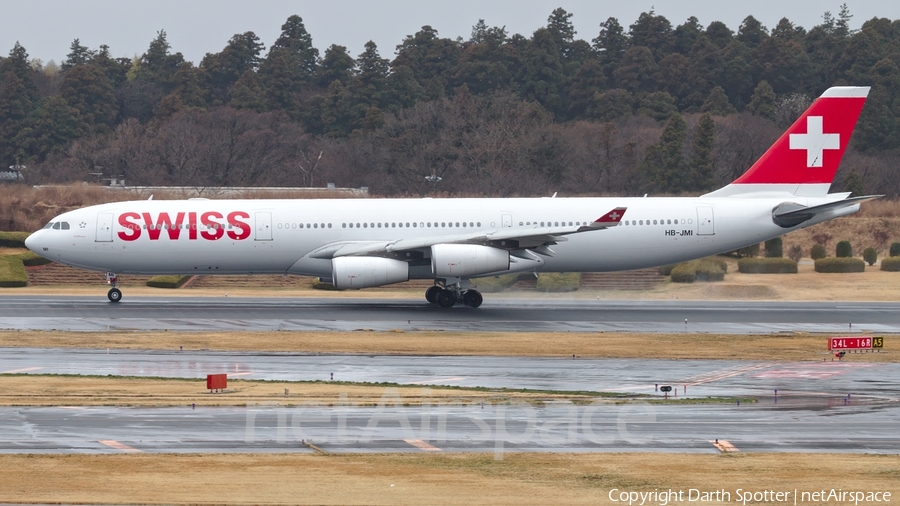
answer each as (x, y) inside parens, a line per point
(535, 238)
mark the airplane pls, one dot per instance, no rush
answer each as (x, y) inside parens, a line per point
(359, 243)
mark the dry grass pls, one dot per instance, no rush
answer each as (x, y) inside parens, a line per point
(520, 478)
(36, 390)
(533, 344)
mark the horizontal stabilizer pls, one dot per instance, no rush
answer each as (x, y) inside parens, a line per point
(790, 214)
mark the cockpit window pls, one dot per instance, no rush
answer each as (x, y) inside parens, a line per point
(65, 225)
(56, 226)
(48, 225)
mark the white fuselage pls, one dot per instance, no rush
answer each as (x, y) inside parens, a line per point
(277, 236)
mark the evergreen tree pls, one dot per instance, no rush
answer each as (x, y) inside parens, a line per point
(157, 66)
(717, 103)
(542, 77)
(654, 32)
(297, 42)
(431, 59)
(658, 105)
(637, 72)
(703, 175)
(719, 34)
(686, 34)
(115, 69)
(763, 101)
(751, 32)
(242, 53)
(664, 166)
(563, 31)
(18, 64)
(248, 93)
(488, 65)
(588, 81)
(78, 55)
(611, 44)
(854, 184)
(54, 126)
(290, 64)
(337, 65)
(86, 90)
(15, 105)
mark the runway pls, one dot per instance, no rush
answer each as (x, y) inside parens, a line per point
(819, 406)
(825, 381)
(494, 428)
(496, 315)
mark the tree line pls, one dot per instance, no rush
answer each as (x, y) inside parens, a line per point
(648, 108)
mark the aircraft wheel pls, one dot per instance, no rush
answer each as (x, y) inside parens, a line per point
(473, 298)
(446, 298)
(115, 295)
(431, 295)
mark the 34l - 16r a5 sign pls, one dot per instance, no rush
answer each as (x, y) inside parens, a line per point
(855, 343)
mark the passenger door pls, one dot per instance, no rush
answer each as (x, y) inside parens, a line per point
(104, 227)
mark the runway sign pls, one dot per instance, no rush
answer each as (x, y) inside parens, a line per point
(216, 381)
(855, 343)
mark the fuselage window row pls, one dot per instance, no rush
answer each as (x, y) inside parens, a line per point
(657, 222)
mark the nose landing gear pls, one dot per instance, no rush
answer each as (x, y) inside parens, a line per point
(114, 294)
(449, 294)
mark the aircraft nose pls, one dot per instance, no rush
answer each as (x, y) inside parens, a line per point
(31, 242)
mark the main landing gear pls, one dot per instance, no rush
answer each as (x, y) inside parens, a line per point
(114, 294)
(447, 296)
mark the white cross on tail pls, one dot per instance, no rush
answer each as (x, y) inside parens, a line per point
(814, 141)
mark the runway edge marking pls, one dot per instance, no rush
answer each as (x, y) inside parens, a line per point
(724, 446)
(422, 445)
(119, 446)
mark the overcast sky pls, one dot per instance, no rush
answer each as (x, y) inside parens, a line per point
(46, 28)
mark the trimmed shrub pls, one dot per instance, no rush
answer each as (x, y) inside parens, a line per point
(870, 256)
(496, 284)
(749, 251)
(891, 264)
(895, 249)
(32, 259)
(843, 250)
(13, 239)
(683, 273)
(767, 266)
(795, 253)
(558, 282)
(840, 264)
(817, 252)
(12, 272)
(705, 269)
(167, 281)
(320, 285)
(774, 248)
(666, 270)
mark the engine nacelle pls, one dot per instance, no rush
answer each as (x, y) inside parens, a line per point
(362, 272)
(464, 260)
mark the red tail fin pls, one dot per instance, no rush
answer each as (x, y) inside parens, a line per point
(809, 152)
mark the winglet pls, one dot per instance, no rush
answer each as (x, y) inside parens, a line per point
(610, 219)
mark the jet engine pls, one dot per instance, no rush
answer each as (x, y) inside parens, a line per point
(464, 260)
(362, 272)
